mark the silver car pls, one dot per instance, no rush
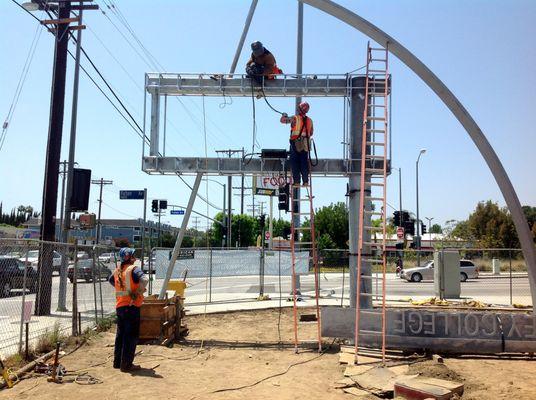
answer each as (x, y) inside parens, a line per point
(468, 270)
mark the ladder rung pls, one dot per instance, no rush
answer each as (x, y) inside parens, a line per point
(375, 143)
(376, 118)
(374, 170)
(304, 228)
(373, 228)
(371, 277)
(378, 71)
(300, 243)
(376, 130)
(377, 105)
(378, 59)
(375, 262)
(374, 157)
(378, 49)
(374, 184)
(374, 198)
(367, 294)
(372, 212)
(372, 244)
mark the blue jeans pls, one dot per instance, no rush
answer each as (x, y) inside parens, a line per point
(126, 338)
(299, 163)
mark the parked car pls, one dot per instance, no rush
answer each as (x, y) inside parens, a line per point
(107, 257)
(468, 270)
(32, 258)
(12, 276)
(85, 270)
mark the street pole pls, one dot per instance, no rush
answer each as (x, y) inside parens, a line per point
(418, 242)
(271, 224)
(400, 191)
(143, 227)
(159, 226)
(229, 212)
(101, 182)
(66, 212)
(53, 152)
(63, 173)
(429, 227)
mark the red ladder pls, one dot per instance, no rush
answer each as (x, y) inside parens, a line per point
(373, 188)
(307, 247)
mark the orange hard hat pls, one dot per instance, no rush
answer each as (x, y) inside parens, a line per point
(304, 107)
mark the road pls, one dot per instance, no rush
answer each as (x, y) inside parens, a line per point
(240, 292)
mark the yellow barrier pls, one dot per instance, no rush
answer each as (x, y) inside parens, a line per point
(178, 286)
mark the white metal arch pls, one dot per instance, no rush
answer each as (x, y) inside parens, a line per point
(459, 111)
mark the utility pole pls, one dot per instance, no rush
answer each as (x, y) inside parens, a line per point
(101, 182)
(230, 153)
(430, 228)
(53, 152)
(63, 174)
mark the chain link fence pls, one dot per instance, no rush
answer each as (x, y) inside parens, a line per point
(47, 287)
(51, 288)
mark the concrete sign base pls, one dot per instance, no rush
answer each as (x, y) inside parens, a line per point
(461, 332)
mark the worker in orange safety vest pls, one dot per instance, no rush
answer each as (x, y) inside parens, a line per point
(301, 130)
(130, 283)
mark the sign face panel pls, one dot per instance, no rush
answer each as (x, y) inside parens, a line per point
(446, 330)
(184, 255)
(177, 212)
(267, 235)
(268, 185)
(131, 194)
(400, 232)
(28, 308)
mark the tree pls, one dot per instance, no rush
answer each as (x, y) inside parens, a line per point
(333, 221)
(244, 230)
(436, 228)
(279, 227)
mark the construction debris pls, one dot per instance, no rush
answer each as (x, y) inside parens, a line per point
(421, 388)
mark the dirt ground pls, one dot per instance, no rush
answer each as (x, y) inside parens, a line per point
(226, 355)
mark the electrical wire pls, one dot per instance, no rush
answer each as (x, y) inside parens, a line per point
(20, 84)
(198, 195)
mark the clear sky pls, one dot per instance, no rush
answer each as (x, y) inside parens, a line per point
(483, 51)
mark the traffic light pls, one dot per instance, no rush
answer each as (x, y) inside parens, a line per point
(286, 232)
(154, 206)
(163, 204)
(284, 198)
(423, 228)
(396, 218)
(262, 221)
(409, 227)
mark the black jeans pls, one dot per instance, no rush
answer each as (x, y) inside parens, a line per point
(126, 338)
(299, 163)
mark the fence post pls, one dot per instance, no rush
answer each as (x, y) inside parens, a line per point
(24, 278)
(345, 263)
(510, 267)
(151, 277)
(210, 277)
(74, 322)
(261, 270)
(96, 268)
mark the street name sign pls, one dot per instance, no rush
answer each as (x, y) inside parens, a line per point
(131, 194)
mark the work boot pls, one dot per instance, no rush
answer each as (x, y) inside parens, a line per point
(131, 368)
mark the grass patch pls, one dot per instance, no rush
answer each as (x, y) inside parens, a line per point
(47, 341)
(106, 323)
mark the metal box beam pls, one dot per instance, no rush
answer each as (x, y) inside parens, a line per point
(238, 166)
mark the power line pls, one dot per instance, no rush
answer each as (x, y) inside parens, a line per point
(20, 84)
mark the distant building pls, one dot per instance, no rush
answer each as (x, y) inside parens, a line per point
(111, 230)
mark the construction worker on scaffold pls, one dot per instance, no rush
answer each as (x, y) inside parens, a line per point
(301, 130)
(261, 64)
(130, 283)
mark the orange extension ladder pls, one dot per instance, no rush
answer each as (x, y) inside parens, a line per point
(373, 186)
(298, 247)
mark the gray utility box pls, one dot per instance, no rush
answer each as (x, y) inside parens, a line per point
(447, 274)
